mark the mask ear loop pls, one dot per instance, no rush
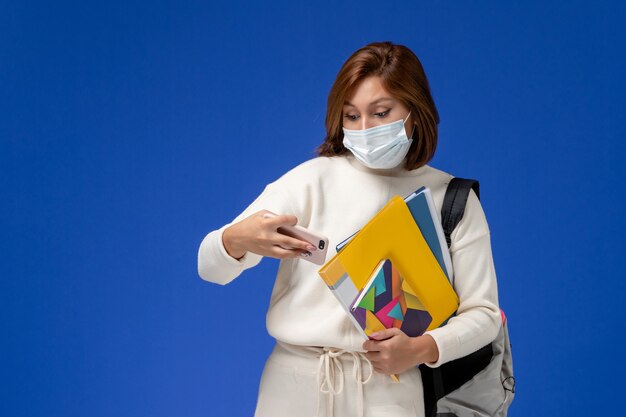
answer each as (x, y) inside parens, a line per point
(413, 131)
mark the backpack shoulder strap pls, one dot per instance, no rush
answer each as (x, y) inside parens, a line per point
(454, 201)
(452, 212)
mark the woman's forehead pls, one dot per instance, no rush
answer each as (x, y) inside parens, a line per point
(370, 91)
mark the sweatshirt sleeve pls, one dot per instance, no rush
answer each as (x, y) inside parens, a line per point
(214, 263)
(478, 318)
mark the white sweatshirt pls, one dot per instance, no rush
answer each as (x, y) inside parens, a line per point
(336, 196)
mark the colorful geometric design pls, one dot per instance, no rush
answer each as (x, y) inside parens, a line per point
(396, 312)
(373, 324)
(390, 302)
(368, 301)
(413, 302)
(384, 297)
(407, 288)
(383, 314)
(360, 315)
(379, 283)
(415, 322)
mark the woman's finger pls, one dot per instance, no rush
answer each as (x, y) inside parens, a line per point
(380, 370)
(288, 242)
(282, 253)
(277, 220)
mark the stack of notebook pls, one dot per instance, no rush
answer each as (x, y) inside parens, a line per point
(396, 271)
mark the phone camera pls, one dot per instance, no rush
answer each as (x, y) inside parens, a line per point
(321, 244)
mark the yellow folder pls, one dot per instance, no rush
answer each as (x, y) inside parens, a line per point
(393, 234)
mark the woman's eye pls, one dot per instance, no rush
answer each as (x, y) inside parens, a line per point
(382, 113)
(351, 117)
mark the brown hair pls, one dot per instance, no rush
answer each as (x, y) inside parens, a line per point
(403, 77)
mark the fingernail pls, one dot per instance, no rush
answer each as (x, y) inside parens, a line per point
(311, 248)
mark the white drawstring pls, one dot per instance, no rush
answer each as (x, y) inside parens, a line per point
(329, 367)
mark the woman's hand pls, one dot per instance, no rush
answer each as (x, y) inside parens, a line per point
(393, 352)
(259, 234)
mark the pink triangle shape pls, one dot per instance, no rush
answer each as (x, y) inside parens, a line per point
(383, 313)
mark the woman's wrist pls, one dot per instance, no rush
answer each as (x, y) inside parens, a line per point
(230, 244)
(425, 348)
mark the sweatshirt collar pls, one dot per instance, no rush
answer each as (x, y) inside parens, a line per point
(398, 171)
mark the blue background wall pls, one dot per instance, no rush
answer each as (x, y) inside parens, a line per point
(129, 130)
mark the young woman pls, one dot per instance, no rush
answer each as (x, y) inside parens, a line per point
(381, 128)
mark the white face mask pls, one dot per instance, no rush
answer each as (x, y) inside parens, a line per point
(379, 147)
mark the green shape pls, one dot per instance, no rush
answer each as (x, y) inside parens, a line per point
(367, 302)
(396, 312)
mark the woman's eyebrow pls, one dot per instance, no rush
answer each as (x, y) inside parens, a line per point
(373, 103)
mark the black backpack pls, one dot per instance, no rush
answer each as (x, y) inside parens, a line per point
(480, 384)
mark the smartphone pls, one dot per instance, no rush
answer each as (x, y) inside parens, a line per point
(298, 232)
